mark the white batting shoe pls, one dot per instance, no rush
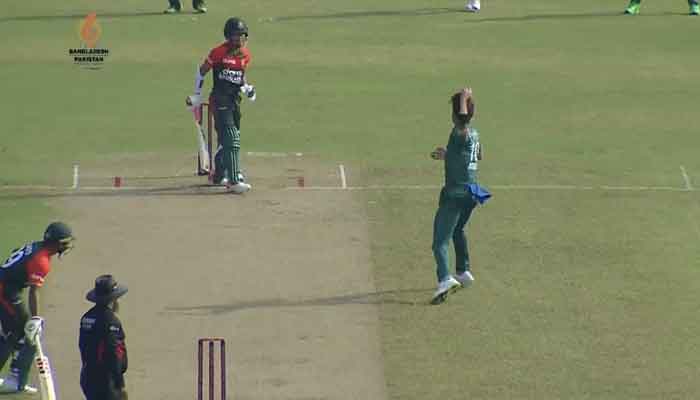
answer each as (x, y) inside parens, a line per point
(444, 288)
(29, 390)
(465, 279)
(473, 6)
(239, 187)
(9, 384)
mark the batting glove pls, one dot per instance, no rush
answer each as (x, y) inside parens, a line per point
(33, 328)
(193, 101)
(249, 91)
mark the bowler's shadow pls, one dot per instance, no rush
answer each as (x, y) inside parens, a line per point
(419, 297)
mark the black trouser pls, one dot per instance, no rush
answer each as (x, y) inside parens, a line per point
(98, 386)
(13, 316)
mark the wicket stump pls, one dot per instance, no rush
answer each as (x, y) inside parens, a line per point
(210, 342)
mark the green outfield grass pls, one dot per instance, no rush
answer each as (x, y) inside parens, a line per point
(23, 221)
(580, 293)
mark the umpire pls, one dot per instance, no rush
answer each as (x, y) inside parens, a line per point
(102, 346)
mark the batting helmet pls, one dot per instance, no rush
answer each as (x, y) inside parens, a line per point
(60, 234)
(235, 26)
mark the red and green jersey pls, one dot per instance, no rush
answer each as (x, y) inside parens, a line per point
(229, 68)
(27, 266)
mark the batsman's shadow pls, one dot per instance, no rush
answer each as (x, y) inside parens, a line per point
(396, 297)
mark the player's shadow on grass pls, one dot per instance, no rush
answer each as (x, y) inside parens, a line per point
(418, 297)
(471, 18)
(197, 189)
(364, 14)
(544, 17)
(78, 16)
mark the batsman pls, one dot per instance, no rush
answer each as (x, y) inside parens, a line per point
(229, 62)
(27, 266)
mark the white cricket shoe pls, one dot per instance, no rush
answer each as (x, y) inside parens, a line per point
(9, 384)
(29, 390)
(239, 187)
(444, 288)
(466, 278)
(473, 6)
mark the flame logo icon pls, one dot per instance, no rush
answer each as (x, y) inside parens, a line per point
(90, 30)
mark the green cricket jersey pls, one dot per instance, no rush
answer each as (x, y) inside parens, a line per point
(461, 161)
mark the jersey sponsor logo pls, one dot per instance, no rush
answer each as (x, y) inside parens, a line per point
(17, 255)
(87, 323)
(233, 76)
(231, 61)
(473, 156)
(114, 328)
(474, 146)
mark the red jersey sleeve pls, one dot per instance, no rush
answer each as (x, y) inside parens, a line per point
(37, 268)
(245, 59)
(215, 55)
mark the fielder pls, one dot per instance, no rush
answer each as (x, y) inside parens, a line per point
(634, 6)
(473, 6)
(27, 266)
(458, 197)
(102, 345)
(199, 6)
(230, 60)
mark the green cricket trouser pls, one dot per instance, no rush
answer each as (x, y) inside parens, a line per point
(13, 316)
(452, 215)
(227, 121)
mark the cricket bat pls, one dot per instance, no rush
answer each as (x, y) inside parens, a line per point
(203, 155)
(46, 386)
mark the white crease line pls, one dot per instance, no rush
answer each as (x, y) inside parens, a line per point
(180, 172)
(272, 154)
(68, 189)
(372, 187)
(498, 187)
(343, 181)
(76, 176)
(686, 178)
(645, 188)
(542, 187)
(33, 187)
